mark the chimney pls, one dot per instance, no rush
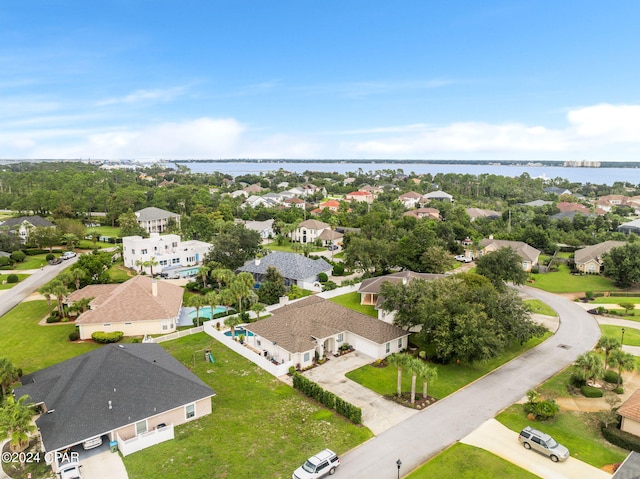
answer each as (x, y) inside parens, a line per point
(257, 261)
(154, 287)
(404, 280)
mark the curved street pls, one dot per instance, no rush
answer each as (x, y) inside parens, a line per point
(417, 439)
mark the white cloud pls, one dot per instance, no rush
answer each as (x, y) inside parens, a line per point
(145, 95)
(607, 123)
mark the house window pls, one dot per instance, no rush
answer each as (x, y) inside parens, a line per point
(175, 260)
(340, 337)
(128, 324)
(399, 343)
(306, 357)
(106, 325)
(388, 348)
(144, 251)
(259, 342)
(141, 427)
(165, 325)
(190, 410)
(133, 251)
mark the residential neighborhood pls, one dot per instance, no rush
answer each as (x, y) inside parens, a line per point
(144, 329)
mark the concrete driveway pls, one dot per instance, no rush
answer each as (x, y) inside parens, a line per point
(378, 413)
(101, 463)
(503, 442)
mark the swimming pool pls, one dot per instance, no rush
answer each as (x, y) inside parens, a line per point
(205, 312)
(238, 332)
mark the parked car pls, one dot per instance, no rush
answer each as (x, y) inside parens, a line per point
(55, 261)
(322, 464)
(70, 470)
(543, 443)
(93, 442)
(332, 247)
(463, 258)
(68, 255)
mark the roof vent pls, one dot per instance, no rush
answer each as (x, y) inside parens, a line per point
(110, 406)
(51, 411)
(121, 346)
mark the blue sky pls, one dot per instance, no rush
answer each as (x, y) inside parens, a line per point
(469, 80)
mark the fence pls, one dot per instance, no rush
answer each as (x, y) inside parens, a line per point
(178, 334)
(144, 440)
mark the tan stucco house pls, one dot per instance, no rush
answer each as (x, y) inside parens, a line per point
(589, 259)
(137, 307)
(630, 412)
(527, 252)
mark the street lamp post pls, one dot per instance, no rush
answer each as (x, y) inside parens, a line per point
(398, 463)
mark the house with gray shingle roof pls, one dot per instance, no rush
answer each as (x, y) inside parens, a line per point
(156, 220)
(295, 268)
(589, 259)
(630, 227)
(23, 225)
(299, 330)
(133, 394)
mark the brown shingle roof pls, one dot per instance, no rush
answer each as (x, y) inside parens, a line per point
(372, 285)
(131, 301)
(295, 326)
(631, 407)
(595, 252)
(525, 251)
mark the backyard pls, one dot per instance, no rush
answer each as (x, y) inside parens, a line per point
(563, 281)
(259, 427)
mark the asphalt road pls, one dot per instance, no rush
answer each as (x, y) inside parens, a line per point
(12, 297)
(417, 439)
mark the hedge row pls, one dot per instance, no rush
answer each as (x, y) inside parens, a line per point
(621, 438)
(591, 392)
(104, 338)
(327, 398)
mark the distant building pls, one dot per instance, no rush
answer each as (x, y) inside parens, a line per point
(438, 196)
(23, 225)
(556, 190)
(308, 231)
(156, 220)
(630, 227)
(589, 259)
(364, 196)
(527, 252)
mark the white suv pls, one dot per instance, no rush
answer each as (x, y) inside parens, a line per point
(322, 464)
(543, 443)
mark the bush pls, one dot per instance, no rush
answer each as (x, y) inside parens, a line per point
(193, 286)
(338, 269)
(50, 257)
(611, 377)
(591, 392)
(13, 278)
(576, 380)
(74, 336)
(620, 438)
(322, 277)
(4, 261)
(105, 338)
(18, 256)
(136, 340)
(292, 370)
(329, 285)
(619, 390)
(54, 318)
(328, 399)
(588, 295)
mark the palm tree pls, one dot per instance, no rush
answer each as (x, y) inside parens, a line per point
(203, 271)
(9, 374)
(212, 299)
(140, 264)
(150, 264)
(227, 298)
(70, 240)
(242, 287)
(78, 275)
(607, 344)
(46, 292)
(258, 308)
(222, 275)
(589, 367)
(399, 360)
(15, 422)
(414, 366)
(427, 373)
(59, 290)
(232, 322)
(623, 361)
(197, 301)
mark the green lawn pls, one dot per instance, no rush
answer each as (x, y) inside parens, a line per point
(563, 282)
(352, 301)
(112, 232)
(451, 377)
(631, 335)
(539, 307)
(32, 262)
(617, 300)
(119, 274)
(462, 461)
(578, 431)
(259, 428)
(3, 278)
(31, 346)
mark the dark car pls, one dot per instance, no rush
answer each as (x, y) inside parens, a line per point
(55, 261)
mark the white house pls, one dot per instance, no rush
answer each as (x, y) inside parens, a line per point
(167, 250)
(308, 231)
(156, 220)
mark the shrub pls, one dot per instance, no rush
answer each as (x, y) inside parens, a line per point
(54, 318)
(322, 277)
(619, 390)
(105, 338)
(292, 370)
(18, 256)
(50, 257)
(74, 336)
(136, 340)
(338, 269)
(12, 278)
(591, 392)
(245, 317)
(329, 285)
(4, 261)
(621, 438)
(588, 295)
(611, 377)
(193, 286)
(576, 380)
(330, 400)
